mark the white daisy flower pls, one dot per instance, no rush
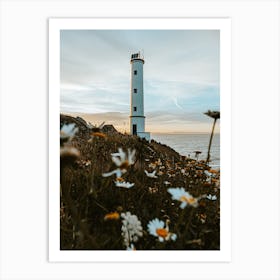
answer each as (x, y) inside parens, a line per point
(69, 154)
(68, 131)
(122, 161)
(117, 171)
(211, 197)
(182, 195)
(183, 171)
(151, 175)
(166, 183)
(156, 228)
(207, 173)
(131, 247)
(124, 184)
(131, 229)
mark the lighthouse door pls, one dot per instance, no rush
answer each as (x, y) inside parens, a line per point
(134, 129)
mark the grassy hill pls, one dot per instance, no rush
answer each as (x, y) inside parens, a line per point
(93, 208)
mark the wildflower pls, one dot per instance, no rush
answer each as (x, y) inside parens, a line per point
(211, 197)
(153, 189)
(152, 165)
(119, 172)
(156, 228)
(69, 154)
(214, 171)
(112, 216)
(166, 183)
(182, 195)
(151, 175)
(202, 218)
(213, 114)
(131, 229)
(122, 161)
(68, 131)
(99, 134)
(207, 173)
(131, 247)
(123, 184)
(158, 162)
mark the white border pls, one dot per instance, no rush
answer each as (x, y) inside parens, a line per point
(222, 24)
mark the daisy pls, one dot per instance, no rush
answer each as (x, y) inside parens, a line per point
(119, 172)
(131, 229)
(131, 247)
(152, 174)
(68, 131)
(123, 184)
(122, 161)
(152, 165)
(166, 183)
(157, 229)
(211, 197)
(69, 154)
(182, 195)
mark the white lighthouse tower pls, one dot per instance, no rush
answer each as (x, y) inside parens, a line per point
(137, 118)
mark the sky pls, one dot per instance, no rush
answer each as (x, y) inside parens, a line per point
(181, 77)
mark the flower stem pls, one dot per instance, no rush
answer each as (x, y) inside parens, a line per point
(210, 141)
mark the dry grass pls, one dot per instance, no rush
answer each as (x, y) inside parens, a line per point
(87, 197)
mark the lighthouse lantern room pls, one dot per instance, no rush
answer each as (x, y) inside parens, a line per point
(137, 118)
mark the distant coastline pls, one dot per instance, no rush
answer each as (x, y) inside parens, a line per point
(121, 122)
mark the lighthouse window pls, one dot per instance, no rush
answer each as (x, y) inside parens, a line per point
(135, 90)
(135, 109)
(135, 72)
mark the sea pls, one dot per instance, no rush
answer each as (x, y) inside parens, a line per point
(187, 144)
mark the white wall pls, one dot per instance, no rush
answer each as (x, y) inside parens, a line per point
(24, 139)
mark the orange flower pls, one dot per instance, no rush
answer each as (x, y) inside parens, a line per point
(99, 134)
(112, 216)
(214, 171)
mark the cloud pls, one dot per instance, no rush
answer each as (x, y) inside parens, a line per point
(181, 72)
(158, 121)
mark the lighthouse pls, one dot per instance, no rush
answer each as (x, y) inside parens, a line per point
(137, 118)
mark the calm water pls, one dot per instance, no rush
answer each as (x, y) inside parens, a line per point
(186, 144)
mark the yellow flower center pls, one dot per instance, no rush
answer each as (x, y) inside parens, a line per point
(120, 179)
(162, 232)
(124, 165)
(112, 216)
(190, 200)
(99, 134)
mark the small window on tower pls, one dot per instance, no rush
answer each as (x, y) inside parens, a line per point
(135, 109)
(135, 72)
(135, 90)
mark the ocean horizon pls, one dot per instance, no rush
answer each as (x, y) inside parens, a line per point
(186, 144)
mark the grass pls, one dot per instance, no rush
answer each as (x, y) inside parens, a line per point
(86, 196)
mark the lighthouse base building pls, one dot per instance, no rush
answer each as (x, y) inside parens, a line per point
(137, 118)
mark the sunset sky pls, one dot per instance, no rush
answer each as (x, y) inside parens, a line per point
(181, 77)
